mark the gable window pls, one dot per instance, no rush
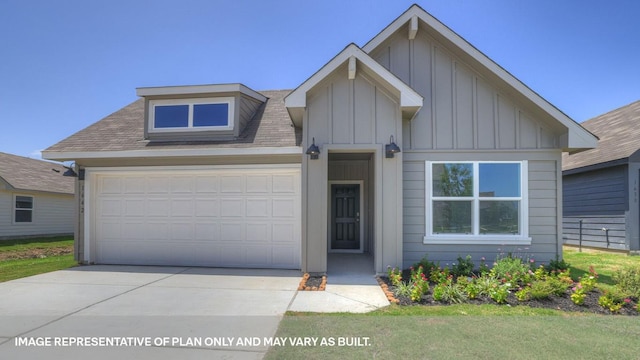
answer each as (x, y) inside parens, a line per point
(23, 209)
(476, 202)
(191, 114)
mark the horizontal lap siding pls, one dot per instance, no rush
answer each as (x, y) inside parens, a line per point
(596, 193)
(600, 199)
(52, 214)
(543, 220)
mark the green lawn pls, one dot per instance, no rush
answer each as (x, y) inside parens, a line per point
(25, 257)
(472, 331)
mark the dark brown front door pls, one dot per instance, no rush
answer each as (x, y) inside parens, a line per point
(345, 217)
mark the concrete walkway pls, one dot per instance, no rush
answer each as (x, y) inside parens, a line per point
(351, 287)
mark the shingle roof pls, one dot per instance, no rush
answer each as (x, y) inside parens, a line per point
(124, 130)
(619, 133)
(29, 174)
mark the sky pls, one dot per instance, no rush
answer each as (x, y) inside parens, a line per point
(66, 64)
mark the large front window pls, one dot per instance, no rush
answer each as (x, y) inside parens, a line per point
(191, 114)
(476, 202)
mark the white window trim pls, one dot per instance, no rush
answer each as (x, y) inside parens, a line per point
(479, 239)
(191, 102)
(13, 214)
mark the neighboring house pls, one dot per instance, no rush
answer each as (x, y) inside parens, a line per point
(601, 185)
(35, 199)
(414, 144)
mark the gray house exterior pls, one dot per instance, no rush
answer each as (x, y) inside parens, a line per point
(601, 185)
(35, 199)
(413, 144)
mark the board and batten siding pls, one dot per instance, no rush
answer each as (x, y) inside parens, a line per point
(600, 199)
(461, 110)
(466, 116)
(543, 210)
(53, 214)
(352, 116)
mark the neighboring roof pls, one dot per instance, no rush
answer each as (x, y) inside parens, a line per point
(23, 173)
(410, 101)
(578, 138)
(619, 133)
(123, 131)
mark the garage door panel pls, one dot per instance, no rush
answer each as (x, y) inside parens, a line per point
(285, 207)
(232, 207)
(207, 231)
(257, 207)
(207, 208)
(135, 185)
(235, 217)
(231, 184)
(285, 184)
(231, 231)
(258, 232)
(257, 184)
(207, 184)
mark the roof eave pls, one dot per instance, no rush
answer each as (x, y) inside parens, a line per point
(199, 89)
(168, 153)
(296, 101)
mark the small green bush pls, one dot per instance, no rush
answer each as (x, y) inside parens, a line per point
(557, 265)
(464, 267)
(427, 265)
(628, 281)
(541, 289)
(512, 269)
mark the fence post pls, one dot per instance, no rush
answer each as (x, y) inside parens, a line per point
(580, 238)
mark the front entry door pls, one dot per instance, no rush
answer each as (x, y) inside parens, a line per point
(345, 217)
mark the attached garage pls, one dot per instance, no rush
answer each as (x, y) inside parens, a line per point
(226, 216)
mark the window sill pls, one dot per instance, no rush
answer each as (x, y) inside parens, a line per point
(476, 240)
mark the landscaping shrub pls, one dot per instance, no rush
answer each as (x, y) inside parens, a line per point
(557, 265)
(464, 267)
(541, 289)
(512, 269)
(427, 265)
(628, 281)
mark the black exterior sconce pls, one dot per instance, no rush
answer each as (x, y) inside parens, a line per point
(313, 150)
(391, 149)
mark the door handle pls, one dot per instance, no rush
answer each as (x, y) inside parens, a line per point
(358, 217)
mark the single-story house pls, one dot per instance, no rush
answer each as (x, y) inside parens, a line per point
(601, 185)
(35, 199)
(414, 144)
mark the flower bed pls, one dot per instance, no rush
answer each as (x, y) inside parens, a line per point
(512, 281)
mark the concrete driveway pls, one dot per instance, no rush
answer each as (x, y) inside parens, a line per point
(147, 312)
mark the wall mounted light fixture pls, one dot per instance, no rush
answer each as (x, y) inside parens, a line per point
(391, 149)
(313, 150)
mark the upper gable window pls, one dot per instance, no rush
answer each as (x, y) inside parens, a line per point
(191, 114)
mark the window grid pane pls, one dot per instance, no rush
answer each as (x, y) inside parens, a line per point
(171, 116)
(499, 217)
(452, 217)
(211, 115)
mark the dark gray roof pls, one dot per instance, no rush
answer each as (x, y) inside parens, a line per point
(124, 130)
(23, 173)
(619, 133)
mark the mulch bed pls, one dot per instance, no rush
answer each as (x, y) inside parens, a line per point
(562, 303)
(36, 253)
(312, 283)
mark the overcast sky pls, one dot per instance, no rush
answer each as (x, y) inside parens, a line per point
(66, 64)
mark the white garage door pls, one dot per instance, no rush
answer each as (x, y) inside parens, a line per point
(222, 216)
